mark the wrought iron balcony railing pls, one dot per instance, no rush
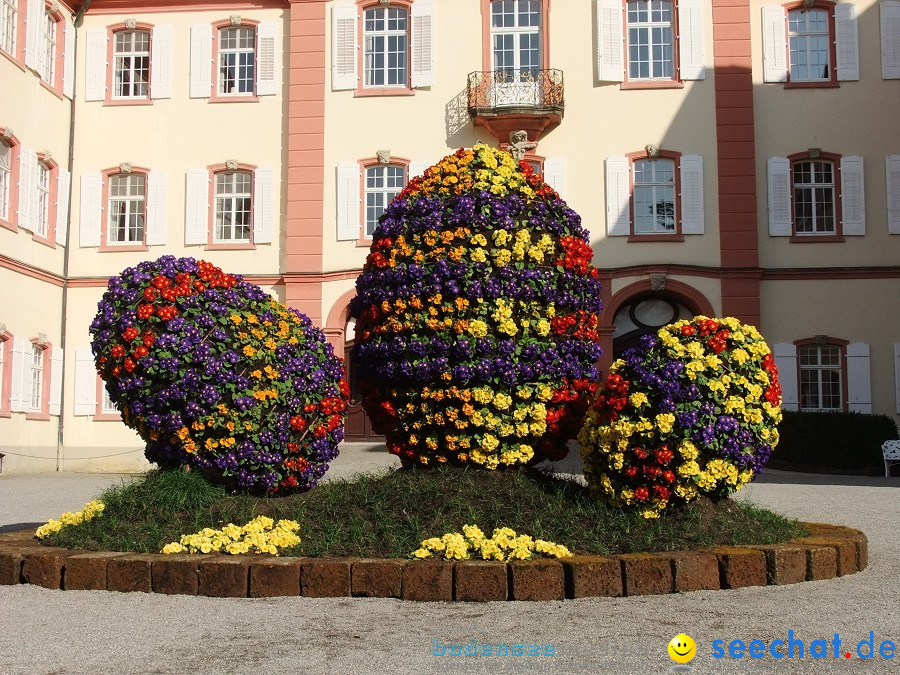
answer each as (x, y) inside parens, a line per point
(511, 91)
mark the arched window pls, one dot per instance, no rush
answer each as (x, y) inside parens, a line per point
(131, 64)
(653, 196)
(237, 60)
(516, 48)
(821, 376)
(127, 209)
(233, 207)
(386, 53)
(809, 45)
(383, 182)
(650, 40)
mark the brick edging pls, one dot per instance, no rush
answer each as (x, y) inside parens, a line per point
(829, 551)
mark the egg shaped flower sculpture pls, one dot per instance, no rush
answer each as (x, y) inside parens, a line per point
(213, 373)
(476, 316)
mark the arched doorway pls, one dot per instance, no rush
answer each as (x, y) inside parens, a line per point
(643, 315)
(357, 426)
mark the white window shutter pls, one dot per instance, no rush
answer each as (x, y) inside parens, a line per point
(422, 43)
(348, 185)
(21, 353)
(690, 39)
(780, 221)
(91, 217)
(890, 39)
(618, 196)
(28, 169)
(897, 374)
(853, 196)
(85, 383)
(201, 60)
(63, 186)
(774, 44)
(267, 58)
(157, 207)
(95, 65)
(33, 11)
(68, 79)
(417, 169)
(196, 217)
(56, 379)
(161, 62)
(692, 208)
(846, 38)
(785, 355)
(892, 170)
(343, 47)
(555, 175)
(859, 378)
(610, 41)
(263, 206)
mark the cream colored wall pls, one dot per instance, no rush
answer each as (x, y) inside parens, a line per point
(178, 134)
(852, 119)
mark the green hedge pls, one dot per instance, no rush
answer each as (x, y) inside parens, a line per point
(834, 439)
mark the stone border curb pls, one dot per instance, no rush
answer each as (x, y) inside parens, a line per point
(829, 551)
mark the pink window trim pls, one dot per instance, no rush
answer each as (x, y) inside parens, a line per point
(14, 169)
(57, 85)
(219, 246)
(105, 246)
(52, 197)
(829, 342)
(364, 164)
(640, 83)
(99, 415)
(44, 414)
(6, 341)
(828, 7)
(361, 89)
(19, 57)
(838, 235)
(214, 95)
(663, 154)
(111, 64)
(487, 44)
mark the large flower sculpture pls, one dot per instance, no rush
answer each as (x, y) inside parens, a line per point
(477, 314)
(215, 374)
(691, 411)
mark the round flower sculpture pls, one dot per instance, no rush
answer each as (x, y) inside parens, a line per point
(692, 411)
(477, 314)
(214, 374)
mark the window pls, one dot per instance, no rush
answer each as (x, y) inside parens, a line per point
(237, 61)
(8, 26)
(820, 377)
(233, 207)
(42, 215)
(6, 343)
(36, 379)
(385, 35)
(131, 64)
(126, 209)
(809, 45)
(516, 49)
(5, 180)
(651, 40)
(814, 197)
(47, 48)
(383, 183)
(654, 196)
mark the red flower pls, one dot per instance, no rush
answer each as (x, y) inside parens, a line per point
(298, 423)
(668, 476)
(130, 333)
(145, 311)
(631, 471)
(118, 351)
(148, 339)
(662, 492)
(319, 431)
(688, 330)
(141, 351)
(664, 456)
(160, 282)
(150, 294)
(641, 453)
(129, 364)
(642, 494)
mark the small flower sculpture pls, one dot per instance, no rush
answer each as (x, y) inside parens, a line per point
(691, 411)
(503, 545)
(215, 374)
(477, 316)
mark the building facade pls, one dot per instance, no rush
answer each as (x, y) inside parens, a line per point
(728, 158)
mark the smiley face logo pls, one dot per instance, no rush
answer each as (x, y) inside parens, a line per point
(682, 648)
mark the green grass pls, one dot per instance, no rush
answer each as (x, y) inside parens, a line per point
(389, 514)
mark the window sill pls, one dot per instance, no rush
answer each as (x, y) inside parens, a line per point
(384, 91)
(46, 241)
(107, 417)
(115, 102)
(8, 225)
(652, 84)
(12, 59)
(52, 90)
(220, 98)
(112, 248)
(38, 416)
(816, 238)
(812, 85)
(655, 237)
(5, 413)
(229, 247)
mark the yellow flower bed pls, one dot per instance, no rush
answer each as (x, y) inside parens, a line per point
(260, 535)
(91, 509)
(503, 545)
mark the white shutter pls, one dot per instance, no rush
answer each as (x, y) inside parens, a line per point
(85, 383)
(21, 354)
(196, 217)
(780, 221)
(33, 12)
(555, 175)
(859, 378)
(610, 41)
(422, 43)
(890, 39)
(846, 38)
(417, 169)
(343, 47)
(91, 217)
(692, 208)
(95, 65)
(262, 206)
(690, 39)
(785, 355)
(56, 379)
(892, 171)
(348, 183)
(28, 169)
(618, 197)
(68, 79)
(201, 60)
(161, 62)
(267, 57)
(774, 44)
(63, 186)
(853, 196)
(897, 374)
(157, 207)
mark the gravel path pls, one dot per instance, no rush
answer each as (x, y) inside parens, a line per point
(44, 631)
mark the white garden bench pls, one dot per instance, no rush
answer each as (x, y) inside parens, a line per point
(891, 451)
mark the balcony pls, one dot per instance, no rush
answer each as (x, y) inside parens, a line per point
(507, 100)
